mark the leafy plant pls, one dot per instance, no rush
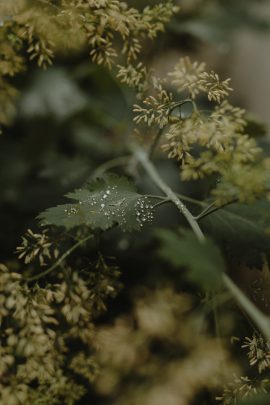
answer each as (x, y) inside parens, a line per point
(126, 294)
(101, 205)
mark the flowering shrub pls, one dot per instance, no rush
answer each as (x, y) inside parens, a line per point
(125, 290)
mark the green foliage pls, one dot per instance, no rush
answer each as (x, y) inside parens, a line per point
(102, 204)
(240, 224)
(261, 399)
(204, 262)
(74, 328)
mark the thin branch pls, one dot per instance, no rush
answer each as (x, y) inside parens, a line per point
(180, 103)
(60, 260)
(191, 200)
(181, 196)
(205, 211)
(164, 201)
(159, 134)
(259, 318)
(213, 208)
(158, 197)
(142, 157)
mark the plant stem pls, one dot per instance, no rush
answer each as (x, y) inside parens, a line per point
(158, 136)
(213, 208)
(181, 196)
(191, 200)
(183, 102)
(158, 197)
(205, 211)
(60, 260)
(261, 320)
(164, 201)
(142, 157)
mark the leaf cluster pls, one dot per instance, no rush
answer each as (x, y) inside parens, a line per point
(102, 204)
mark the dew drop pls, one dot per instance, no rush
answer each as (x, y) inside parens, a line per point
(71, 211)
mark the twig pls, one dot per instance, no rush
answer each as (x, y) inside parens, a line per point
(190, 199)
(261, 320)
(205, 211)
(181, 196)
(159, 134)
(158, 197)
(60, 260)
(142, 157)
(213, 208)
(164, 201)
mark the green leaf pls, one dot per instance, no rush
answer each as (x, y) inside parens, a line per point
(260, 399)
(203, 261)
(102, 204)
(242, 228)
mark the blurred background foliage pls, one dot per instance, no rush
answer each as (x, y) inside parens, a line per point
(75, 116)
